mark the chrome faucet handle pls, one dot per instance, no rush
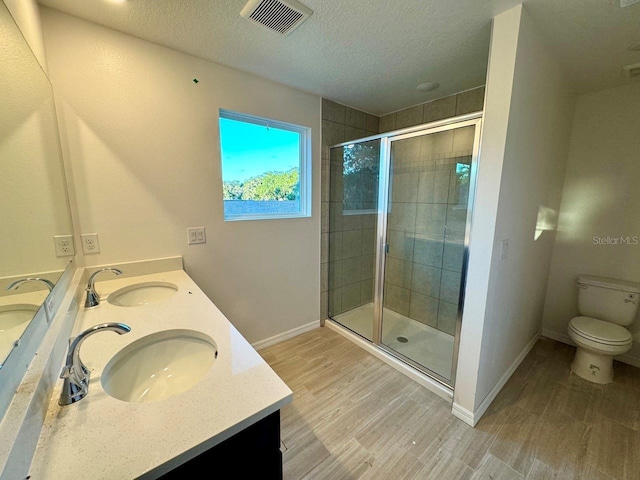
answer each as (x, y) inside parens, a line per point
(17, 283)
(70, 367)
(75, 374)
(93, 298)
(73, 389)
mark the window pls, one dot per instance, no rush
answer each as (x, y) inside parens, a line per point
(265, 168)
(360, 169)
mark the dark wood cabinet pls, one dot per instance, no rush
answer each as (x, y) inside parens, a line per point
(251, 453)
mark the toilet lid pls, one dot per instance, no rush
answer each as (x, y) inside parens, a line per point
(600, 331)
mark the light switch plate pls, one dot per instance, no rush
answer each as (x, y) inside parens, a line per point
(90, 243)
(196, 235)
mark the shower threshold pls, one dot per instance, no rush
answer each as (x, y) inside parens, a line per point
(420, 343)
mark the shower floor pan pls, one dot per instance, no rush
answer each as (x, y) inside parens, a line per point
(425, 345)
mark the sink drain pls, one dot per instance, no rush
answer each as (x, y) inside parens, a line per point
(402, 339)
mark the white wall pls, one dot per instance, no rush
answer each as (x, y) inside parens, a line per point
(141, 140)
(528, 114)
(32, 184)
(502, 54)
(27, 15)
(535, 157)
(601, 198)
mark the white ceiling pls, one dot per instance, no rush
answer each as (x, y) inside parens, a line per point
(371, 54)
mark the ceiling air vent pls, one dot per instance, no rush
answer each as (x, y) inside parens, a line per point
(280, 16)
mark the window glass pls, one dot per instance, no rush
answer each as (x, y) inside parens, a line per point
(265, 164)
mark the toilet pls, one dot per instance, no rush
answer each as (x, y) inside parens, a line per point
(606, 307)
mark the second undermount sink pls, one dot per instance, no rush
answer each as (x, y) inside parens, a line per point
(14, 319)
(159, 366)
(142, 294)
(15, 316)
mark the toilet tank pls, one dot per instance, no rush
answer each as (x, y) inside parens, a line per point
(608, 299)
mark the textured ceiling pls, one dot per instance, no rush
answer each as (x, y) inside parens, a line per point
(369, 54)
(591, 38)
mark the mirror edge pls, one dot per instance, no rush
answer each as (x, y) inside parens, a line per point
(18, 361)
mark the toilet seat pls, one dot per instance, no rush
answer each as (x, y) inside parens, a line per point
(600, 332)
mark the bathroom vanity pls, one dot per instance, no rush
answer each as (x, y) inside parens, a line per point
(225, 417)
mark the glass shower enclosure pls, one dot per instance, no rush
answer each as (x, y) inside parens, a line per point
(399, 226)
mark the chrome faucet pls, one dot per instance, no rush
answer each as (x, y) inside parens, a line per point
(75, 373)
(17, 283)
(93, 299)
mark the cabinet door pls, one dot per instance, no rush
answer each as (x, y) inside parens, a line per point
(251, 453)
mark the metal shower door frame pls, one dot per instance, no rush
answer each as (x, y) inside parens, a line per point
(386, 140)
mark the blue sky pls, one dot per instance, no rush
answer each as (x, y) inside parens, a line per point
(249, 150)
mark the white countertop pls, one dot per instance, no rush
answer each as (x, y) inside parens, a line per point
(101, 437)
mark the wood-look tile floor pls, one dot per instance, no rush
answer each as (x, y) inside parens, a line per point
(355, 417)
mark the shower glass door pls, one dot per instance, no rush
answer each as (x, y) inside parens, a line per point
(353, 220)
(399, 210)
(425, 238)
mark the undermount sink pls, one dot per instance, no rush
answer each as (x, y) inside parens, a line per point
(142, 294)
(159, 366)
(14, 319)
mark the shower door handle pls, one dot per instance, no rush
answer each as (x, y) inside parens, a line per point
(386, 248)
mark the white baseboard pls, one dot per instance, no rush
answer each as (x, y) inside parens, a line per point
(281, 337)
(564, 338)
(560, 337)
(629, 360)
(463, 414)
(390, 360)
(472, 418)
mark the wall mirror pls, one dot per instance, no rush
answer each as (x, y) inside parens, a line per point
(34, 204)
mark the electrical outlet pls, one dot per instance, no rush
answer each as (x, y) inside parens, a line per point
(64, 245)
(196, 235)
(90, 243)
(505, 249)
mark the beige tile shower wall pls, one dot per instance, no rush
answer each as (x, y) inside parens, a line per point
(464, 102)
(347, 240)
(423, 268)
(426, 227)
(340, 124)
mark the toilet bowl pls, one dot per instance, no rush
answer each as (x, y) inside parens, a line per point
(597, 343)
(606, 306)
